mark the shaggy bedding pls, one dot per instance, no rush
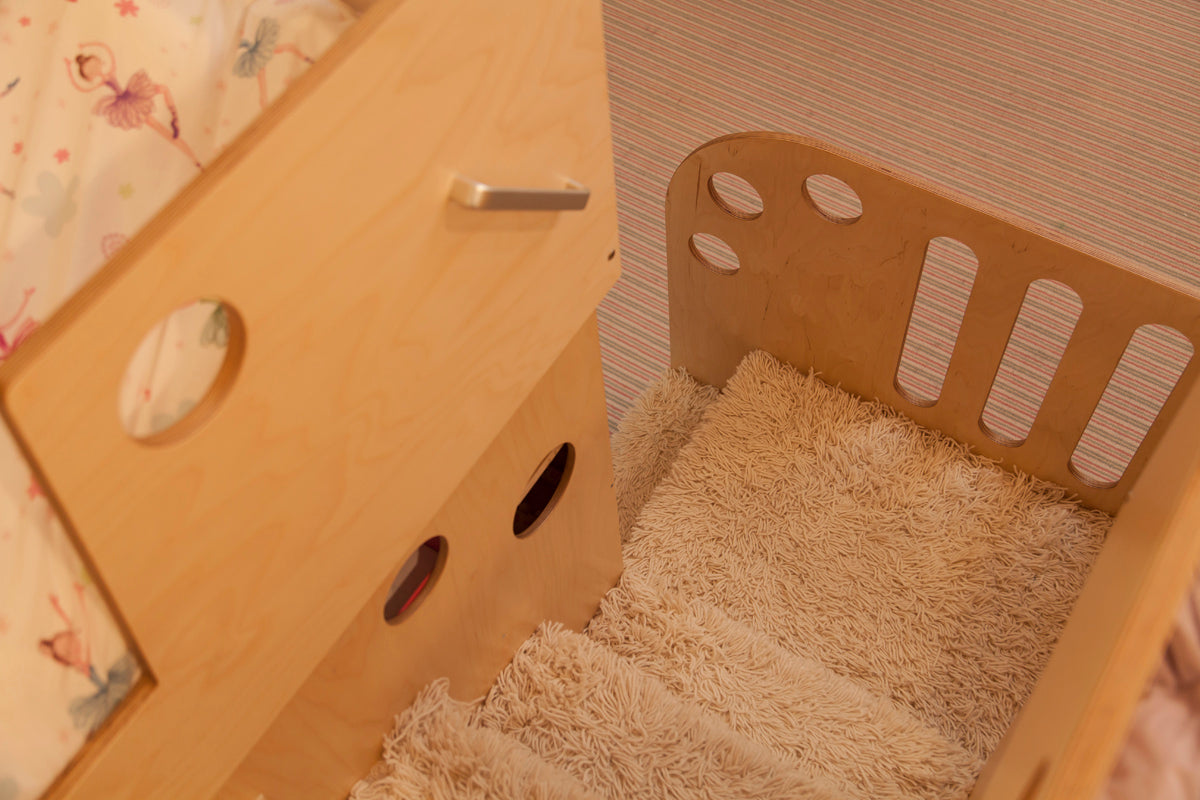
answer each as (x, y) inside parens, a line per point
(821, 599)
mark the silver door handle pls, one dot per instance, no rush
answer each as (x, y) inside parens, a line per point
(474, 194)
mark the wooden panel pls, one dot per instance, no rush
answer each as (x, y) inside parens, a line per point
(495, 590)
(389, 336)
(837, 297)
(1073, 724)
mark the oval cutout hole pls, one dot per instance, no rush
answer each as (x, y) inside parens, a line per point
(947, 276)
(735, 196)
(1147, 373)
(1035, 347)
(181, 371)
(414, 580)
(544, 491)
(832, 198)
(712, 252)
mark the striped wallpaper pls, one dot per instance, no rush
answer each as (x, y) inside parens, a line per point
(1082, 116)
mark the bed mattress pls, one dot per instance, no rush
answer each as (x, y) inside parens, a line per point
(107, 110)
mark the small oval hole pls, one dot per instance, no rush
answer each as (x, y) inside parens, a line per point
(1035, 347)
(832, 198)
(947, 276)
(712, 252)
(735, 195)
(1147, 373)
(181, 371)
(545, 489)
(414, 580)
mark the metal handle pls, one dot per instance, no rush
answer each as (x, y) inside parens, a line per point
(474, 194)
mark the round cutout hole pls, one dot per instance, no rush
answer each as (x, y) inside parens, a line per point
(735, 195)
(544, 490)
(833, 199)
(712, 252)
(414, 580)
(181, 371)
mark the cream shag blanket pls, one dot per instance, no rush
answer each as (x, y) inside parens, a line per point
(886, 551)
(821, 599)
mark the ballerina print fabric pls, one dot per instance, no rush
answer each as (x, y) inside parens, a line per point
(107, 109)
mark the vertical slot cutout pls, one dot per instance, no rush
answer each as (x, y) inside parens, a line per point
(1147, 373)
(942, 293)
(414, 580)
(1035, 347)
(545, 489)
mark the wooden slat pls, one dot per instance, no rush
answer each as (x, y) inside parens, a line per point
(995, 303)
(836, 298)
(1079, 383)
(494, 592)
(389, 335)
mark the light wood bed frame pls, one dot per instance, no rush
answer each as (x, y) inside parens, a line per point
(401, 366)
(837, 298)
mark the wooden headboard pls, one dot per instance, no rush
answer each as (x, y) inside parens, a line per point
(835, 294)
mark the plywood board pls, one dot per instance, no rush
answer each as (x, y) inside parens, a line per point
(837, 297)
(493, 593)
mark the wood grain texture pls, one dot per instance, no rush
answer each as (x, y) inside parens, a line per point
(837, 298)
(495, 590)
(1075, 721)
(389, 337)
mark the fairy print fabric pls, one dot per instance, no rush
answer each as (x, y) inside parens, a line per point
(107, 109)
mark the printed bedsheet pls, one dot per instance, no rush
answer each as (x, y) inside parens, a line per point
(107, 109)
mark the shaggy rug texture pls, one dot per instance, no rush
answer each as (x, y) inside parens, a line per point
(651, 435)
(434, 754)
(799, 709)
(886, 551)
(622, 733)
(821, 599)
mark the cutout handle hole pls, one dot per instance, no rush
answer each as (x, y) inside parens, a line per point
(1145, 377)
(735, 196)
(714, 253)
(832, 198)
(943, 289)
(1035, 347)
(545, 490)
(181, 371)
(414, 580)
